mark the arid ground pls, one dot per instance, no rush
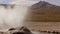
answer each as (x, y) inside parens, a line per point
(44, 16)
(44, 26)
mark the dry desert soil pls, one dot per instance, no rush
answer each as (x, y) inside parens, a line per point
(44, 26)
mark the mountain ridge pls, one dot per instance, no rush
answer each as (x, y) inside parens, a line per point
(43, 4)
(44, 11)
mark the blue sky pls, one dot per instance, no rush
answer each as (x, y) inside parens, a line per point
(56, 2)
(5, 1)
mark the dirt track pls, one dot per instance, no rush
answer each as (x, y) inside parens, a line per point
(44, 26)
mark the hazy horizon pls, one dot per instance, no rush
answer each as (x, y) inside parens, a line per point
(55, 2)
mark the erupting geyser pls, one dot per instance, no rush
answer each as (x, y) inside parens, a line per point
(12, 17)
(13, 14)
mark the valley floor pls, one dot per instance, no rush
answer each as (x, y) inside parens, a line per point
(44, 26)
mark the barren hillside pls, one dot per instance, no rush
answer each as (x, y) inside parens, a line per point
(44, 11)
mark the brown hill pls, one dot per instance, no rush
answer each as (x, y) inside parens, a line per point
(44, 11)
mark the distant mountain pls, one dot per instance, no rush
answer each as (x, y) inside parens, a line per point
(7, 5)
(44, 11)
(43, 4)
